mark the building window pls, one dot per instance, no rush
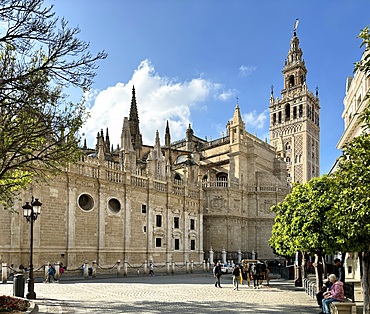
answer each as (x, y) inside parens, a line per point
(192, 245)
(204, 181)
(158, 221)
(287, 112)
(114, 205)
(176, 223)
(177, 244)
(192, 224)
(221, 179)
(158, 242)
(86, 202)
(144, 228)
(177, 179)
(143, 209)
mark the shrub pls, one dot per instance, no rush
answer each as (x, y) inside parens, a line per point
(9, 304)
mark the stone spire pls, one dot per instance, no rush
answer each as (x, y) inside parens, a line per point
(136, 137)
(126, 143)
(127, 153)
(167, 138)
(107, 142)
(189, 138)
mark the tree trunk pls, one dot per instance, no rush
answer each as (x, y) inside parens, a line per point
(304, 265)
(318, 270)
(298, 270)
(365, 280)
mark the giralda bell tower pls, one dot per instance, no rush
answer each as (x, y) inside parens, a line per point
(294, 119)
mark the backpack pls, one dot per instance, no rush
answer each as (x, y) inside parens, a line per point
(51, 271)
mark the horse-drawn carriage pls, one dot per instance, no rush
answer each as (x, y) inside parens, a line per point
(255, 268)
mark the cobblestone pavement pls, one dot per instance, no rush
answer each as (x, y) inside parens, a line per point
(183, 293)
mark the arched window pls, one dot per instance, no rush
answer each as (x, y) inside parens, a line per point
(205, 181)
(291, 80)
(295, 112)
(287, 112)
(177, 179)
(221, 179)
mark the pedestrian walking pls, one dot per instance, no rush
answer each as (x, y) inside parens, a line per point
(51, 273)
(255, 272)
(217, 274)
(151, 269)
(236, 277)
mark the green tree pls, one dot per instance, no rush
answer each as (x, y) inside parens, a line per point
(351, 211)
(40, 57)
(301, 222)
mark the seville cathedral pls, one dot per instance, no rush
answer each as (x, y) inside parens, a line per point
(173, 201)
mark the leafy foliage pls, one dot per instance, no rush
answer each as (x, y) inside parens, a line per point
(300, 223)
(352, 208)
(40, 56)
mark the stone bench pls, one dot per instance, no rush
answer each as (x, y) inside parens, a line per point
(345, 307)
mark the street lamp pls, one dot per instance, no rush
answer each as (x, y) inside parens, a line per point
(30, 212)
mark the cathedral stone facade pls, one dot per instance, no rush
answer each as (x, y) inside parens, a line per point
(182, 201)
(171, 202)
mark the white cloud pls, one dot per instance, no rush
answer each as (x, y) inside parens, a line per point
(158, 99)
(245, 71)
(254, 120)
(226, 95)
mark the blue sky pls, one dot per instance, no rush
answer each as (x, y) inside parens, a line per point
(190, 60)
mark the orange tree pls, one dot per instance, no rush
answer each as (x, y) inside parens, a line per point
(301, 223)
(351, 213)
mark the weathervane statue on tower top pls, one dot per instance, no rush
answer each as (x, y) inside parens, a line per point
(295, 26)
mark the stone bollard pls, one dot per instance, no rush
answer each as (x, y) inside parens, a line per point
(211, 256)
(204, 265)
(168, 267)
(86, 270)
(145, 267)
(119, 268)
(187, 267)
(239, 257)
(46, 270)
(125, 268)
(172, 267)
(57, 271)
(93, 273)
(224, 254)
(191, 266)
(4, 272)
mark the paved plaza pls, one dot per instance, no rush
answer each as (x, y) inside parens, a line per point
(182, 293)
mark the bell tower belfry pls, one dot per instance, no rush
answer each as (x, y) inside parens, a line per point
(294, 119)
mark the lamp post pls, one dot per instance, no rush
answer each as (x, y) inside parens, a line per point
(30, 212)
